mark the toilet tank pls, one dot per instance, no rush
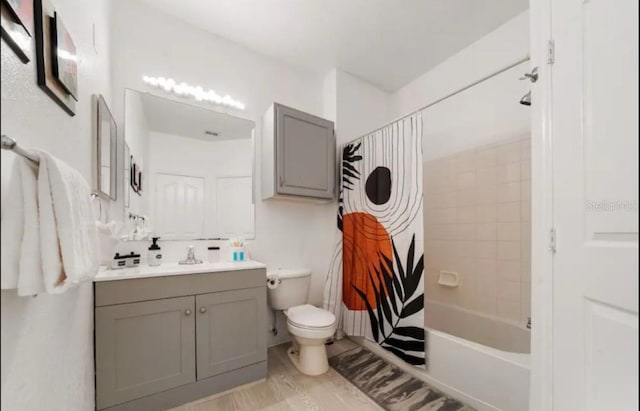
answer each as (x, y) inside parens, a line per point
(287, 287)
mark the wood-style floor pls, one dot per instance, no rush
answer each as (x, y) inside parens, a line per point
(286, 389)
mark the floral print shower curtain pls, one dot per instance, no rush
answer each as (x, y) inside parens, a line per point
(375, 284)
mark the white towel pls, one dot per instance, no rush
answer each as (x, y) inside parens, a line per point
(68, 234)
(21, 262)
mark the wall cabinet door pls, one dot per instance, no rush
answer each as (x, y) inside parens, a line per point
(232, 330)
(143, 348)
(305, 154)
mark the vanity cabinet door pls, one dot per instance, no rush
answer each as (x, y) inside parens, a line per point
(305, 154)
(143, 348)
(231, 330)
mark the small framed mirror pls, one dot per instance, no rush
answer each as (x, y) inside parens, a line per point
(106, 136)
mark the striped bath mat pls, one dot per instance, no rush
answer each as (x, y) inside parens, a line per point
(389, 386)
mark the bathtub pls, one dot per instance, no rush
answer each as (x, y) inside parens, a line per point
(492, 376)
(501, 334)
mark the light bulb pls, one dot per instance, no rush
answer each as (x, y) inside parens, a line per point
(197, 92)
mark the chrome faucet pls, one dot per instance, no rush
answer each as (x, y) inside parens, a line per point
(191, 257)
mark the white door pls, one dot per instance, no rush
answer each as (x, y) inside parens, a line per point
(179, 206)
(594, 129)
(234, 207)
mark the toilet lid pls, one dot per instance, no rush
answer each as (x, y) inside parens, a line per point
(309, 316)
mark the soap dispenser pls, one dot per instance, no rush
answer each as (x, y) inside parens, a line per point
(155, 255)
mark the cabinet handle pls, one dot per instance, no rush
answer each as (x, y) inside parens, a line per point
(203, 310)
(187, 312)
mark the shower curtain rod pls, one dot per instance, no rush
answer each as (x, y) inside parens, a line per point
(468, 86)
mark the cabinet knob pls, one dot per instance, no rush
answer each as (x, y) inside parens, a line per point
(203, 310)
(187, 312)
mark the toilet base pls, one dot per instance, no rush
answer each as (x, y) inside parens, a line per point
(310, 357)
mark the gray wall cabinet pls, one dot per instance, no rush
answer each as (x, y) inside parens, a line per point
(298, 155)
(161, 342)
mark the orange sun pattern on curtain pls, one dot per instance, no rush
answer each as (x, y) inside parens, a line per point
(364, 239)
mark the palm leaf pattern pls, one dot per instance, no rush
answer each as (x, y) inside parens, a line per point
(394, 296)
(349, 173)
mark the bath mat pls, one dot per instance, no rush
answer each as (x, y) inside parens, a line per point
(389, 386)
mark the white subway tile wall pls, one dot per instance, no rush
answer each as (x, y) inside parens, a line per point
(477, 214)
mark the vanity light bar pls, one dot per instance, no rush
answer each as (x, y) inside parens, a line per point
(183, 89)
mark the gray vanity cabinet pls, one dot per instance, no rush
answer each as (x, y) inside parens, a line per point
(144, 348)
(230, 335)
(164, 341)
(299, 155)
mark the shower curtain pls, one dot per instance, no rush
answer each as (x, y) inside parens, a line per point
(375, 282)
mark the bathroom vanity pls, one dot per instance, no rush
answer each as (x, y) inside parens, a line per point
(168, 335)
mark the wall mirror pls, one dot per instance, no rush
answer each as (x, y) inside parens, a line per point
(105, 146)
(190, 169)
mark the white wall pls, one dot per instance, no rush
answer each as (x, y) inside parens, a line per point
(361, 107)
(47, 342)
(486, 113)
(496, 50)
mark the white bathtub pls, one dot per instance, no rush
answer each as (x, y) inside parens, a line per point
(484, 377)
(501, 334)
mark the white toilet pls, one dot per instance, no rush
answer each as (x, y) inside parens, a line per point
(288, 290)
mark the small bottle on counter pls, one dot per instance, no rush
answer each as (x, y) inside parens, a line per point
(214, 254)
(154, 258)
(236, 247)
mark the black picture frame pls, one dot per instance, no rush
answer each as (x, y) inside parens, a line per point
(64, 55)
(46, 79)
(134, 175)
(16, 27)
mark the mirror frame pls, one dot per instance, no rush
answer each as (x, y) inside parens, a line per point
(104, 114)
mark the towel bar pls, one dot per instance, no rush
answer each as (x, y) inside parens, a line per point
(10, 144)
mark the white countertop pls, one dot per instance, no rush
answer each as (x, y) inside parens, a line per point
(167, 269)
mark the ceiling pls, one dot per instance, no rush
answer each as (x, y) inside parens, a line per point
(386, 42)
(182, 119)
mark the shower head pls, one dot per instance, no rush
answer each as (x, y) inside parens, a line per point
(526, 99)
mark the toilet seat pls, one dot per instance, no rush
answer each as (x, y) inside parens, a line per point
(309, 317)
(307, 321)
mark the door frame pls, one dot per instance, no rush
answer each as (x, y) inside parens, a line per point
(541, 375)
